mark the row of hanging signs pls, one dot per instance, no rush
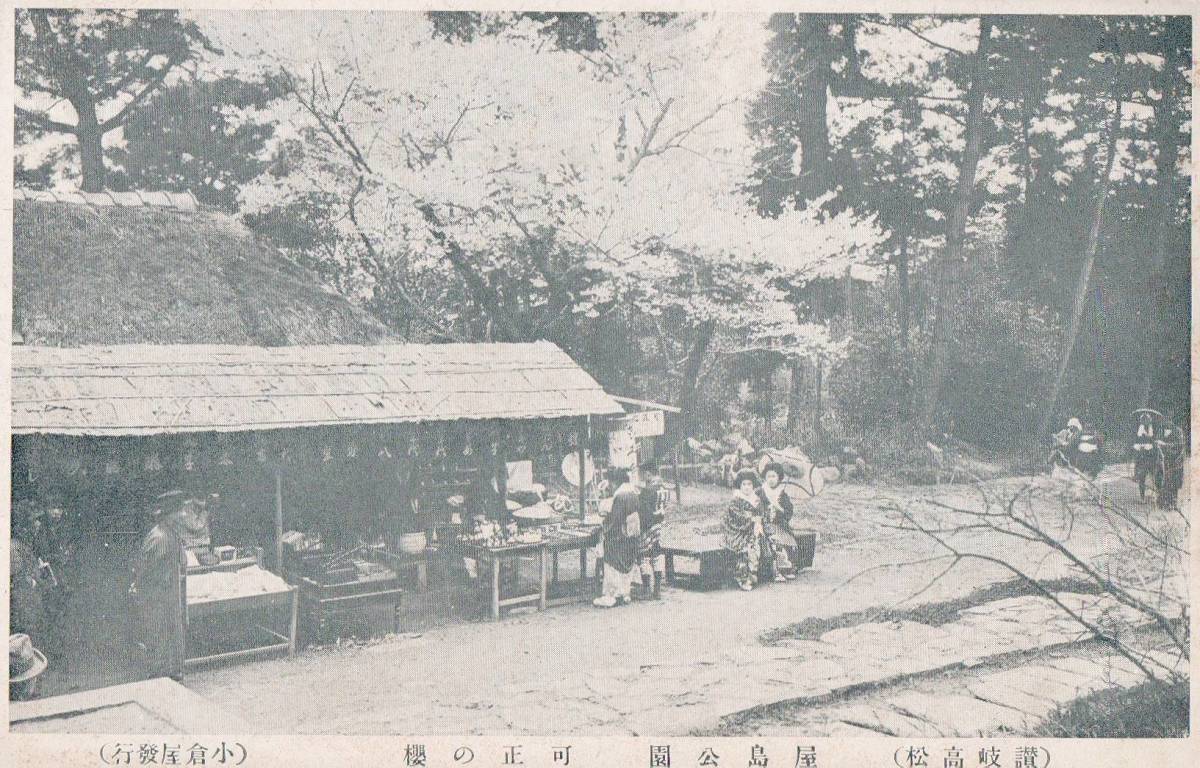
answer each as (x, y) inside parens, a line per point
(449, 442)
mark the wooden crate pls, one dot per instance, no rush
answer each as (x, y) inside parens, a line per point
(713, 571)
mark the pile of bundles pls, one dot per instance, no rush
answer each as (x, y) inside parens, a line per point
(719, 462)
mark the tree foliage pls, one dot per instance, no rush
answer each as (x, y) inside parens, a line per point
(885, 214)
(103, 64)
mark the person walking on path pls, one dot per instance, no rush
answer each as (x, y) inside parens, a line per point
(621, 540)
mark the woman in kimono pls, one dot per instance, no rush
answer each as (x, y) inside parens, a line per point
(743, 529)
(622, 534)
(777, 514)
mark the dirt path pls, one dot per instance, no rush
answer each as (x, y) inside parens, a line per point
(657, 667)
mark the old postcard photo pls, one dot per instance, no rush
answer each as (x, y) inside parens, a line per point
(732, 388)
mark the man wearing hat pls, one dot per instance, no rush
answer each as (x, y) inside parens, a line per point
(158, 583)
(25, 663)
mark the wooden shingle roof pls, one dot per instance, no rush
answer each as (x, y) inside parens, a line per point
(162, 389)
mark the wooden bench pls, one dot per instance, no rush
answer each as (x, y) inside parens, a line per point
(716, 562)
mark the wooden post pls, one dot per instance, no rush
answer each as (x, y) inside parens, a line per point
(279, 519)
(581, 431)
(675, 467)
(495, 586)
(544, 584)
(293, 621)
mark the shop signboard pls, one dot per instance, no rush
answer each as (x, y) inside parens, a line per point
(646, 423)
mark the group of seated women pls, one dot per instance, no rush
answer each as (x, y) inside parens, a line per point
(756, 528)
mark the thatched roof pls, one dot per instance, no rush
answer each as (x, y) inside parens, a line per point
(142, 389)
(121, 268)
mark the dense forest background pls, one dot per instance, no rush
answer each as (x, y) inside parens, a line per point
(802, 227)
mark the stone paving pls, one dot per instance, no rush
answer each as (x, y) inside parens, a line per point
(1008, 700)
(674, 666)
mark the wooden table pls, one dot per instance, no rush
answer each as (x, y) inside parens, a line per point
(547, 551)
(324, 602)
(492, 556)
(288, 598)
(418, 563)
(565, 541)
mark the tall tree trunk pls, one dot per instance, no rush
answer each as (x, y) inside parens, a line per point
(795, 396)
(1089, 259)
(849, 289)
(905, 292)
(1167, 139)
(812, 118)
(691, 376)
(903, 312)
(91, 146)
(766, 390)
(820, 431)
(952, 256)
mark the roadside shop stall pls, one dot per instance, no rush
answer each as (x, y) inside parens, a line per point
(343, 484)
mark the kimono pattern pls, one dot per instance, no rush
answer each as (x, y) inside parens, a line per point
(781, 544)
(744, 538)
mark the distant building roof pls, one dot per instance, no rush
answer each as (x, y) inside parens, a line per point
(156, 268)
(146, 389)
